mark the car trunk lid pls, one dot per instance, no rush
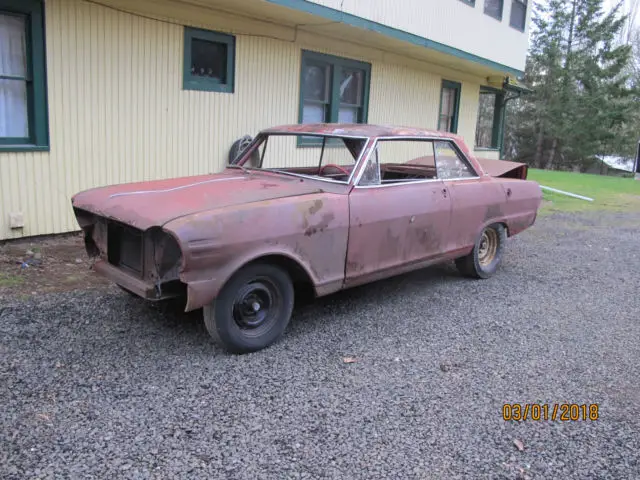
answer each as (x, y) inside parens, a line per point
(504, 168)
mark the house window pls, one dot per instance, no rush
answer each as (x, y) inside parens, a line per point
(333, 90)
(493, 8)
(209, 61)
(489, 128)
(518, 14)
(23, 104)
(469, 2)
(449, 106)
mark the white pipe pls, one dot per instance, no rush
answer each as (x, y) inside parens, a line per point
(567, 193)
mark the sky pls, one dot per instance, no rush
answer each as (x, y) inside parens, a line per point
(628, 5)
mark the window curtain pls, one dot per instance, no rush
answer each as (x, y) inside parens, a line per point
(14, 121)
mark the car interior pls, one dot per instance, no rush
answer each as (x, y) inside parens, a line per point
(393, 160)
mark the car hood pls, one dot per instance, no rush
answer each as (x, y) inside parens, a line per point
(154, 203)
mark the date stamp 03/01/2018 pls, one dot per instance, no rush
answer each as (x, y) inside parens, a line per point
(564, 412)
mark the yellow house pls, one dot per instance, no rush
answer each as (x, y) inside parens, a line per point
(95, 92)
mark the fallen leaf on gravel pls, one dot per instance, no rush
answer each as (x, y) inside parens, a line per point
(43, 416)
(349, 359)
(518, 444)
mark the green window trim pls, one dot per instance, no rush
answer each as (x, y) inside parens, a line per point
(456, 107)
(499, 15)
(203, 84)
(497, 128)
(333, 62)
(37, 108)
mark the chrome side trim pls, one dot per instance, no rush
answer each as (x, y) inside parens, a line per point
(401, 184)
(301, 175)
(429, 180)
(140, 192)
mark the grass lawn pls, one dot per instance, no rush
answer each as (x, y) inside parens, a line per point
(609, 193)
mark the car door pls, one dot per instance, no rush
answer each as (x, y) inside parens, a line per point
(394, 225)
(474, 200)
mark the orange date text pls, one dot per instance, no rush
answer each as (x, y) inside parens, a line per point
(564, 412)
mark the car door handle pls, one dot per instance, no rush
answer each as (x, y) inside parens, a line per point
(508, 192)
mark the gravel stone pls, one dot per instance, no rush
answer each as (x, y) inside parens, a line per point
(97, 384)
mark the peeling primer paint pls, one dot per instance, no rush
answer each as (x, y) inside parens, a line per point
(320, 226)
(315, 208)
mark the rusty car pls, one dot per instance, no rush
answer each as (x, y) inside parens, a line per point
(319, 206)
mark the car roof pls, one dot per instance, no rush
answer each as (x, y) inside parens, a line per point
(358, 130)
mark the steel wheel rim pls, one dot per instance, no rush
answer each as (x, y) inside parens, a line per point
(488, 247)
(256, 307)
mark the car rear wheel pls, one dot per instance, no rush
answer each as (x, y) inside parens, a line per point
(485, 258)
(252, 310)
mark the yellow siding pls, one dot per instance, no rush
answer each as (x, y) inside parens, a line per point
(117, 111)
(491, 154)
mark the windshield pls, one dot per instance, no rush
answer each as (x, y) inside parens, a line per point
(328, 158)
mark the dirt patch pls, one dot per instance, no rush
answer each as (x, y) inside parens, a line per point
(44, 265)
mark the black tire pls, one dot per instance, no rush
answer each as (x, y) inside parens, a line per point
(252, 310)
(477, 265)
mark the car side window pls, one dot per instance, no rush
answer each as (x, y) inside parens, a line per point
(449, 164)
(400, 160)
(371, 173)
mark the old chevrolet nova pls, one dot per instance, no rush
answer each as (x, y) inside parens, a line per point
(323, 207)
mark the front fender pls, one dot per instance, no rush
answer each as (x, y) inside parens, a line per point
(310, 230)
(201, 292)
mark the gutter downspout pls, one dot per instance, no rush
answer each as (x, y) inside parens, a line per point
(519, 91)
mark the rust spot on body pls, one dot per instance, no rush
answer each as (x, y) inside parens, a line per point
(320, 227)
(315, 208)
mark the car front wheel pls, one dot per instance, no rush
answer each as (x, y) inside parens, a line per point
(484, 259)
(252, 310)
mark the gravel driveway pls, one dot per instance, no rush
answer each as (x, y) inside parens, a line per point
(101, 385)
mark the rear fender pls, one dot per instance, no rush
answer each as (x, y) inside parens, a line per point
(523, 199)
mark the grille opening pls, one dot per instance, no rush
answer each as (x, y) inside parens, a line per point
(125, 247)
